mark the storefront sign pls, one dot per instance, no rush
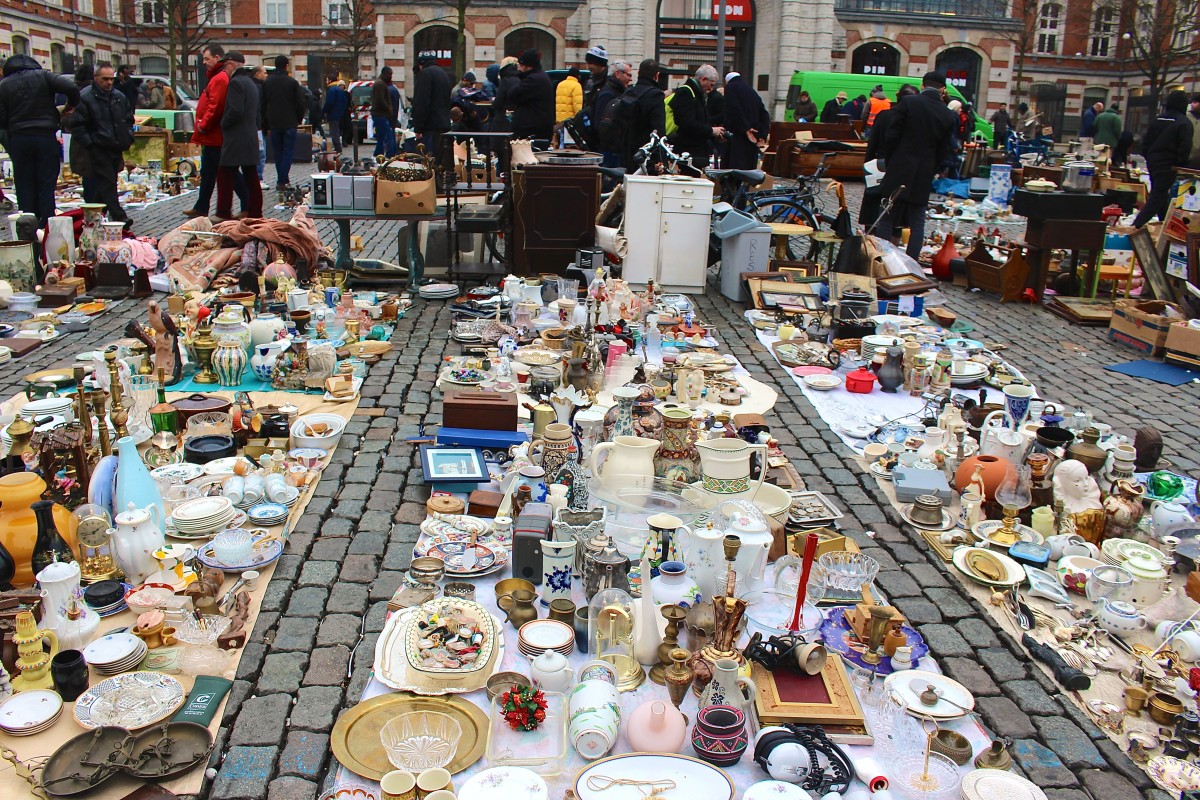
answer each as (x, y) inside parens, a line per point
(734, 12)
(957, 78)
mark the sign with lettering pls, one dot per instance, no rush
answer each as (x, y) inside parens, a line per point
(957, 78)
(734, 12)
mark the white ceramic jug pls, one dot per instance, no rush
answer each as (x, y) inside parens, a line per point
(725, 465)
(60, 585)
(1000, 441)
(624, 456)
(138, 535)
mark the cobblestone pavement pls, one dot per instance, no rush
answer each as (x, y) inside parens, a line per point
(348, 553)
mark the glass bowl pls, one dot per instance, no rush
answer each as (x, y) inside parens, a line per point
(847, 572)
(421, 740)
(233, 547)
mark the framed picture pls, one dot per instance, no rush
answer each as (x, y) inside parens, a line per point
(799, 269)
(453, 464)
(825, 699)
(753, 283)
(802, 294)
(903, 284)
(1151, 263)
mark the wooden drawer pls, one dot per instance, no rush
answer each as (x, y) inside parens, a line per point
(686, 205)
(686, 189)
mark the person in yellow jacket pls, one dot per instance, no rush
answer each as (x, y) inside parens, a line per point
(568, 100)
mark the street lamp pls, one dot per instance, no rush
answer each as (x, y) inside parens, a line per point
(1121, 62)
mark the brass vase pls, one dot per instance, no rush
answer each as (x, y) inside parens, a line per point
(204, 344)
(678, 676)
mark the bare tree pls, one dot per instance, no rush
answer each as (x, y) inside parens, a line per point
(460, 46)
(1162, 41)
(1036, 28)
(179, 27)
(352, 30)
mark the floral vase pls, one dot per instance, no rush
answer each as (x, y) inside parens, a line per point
(60, 240)
(90, 235)
(231, 322)
(535, 478)
(229, 362)
(673, 586)
(113, 248)
(17, 265)
(678, 459)
(619, 419)
(558, 562)
(572, 475)
(1000, 184)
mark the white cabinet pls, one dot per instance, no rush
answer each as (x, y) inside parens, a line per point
(667, 225)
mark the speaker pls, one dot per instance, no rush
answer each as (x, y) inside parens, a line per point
(527, 556)
(322, 190)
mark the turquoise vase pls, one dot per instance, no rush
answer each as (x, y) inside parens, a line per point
(134, 483)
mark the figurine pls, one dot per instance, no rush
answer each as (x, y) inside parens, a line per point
(1076, 488)
(166, 342)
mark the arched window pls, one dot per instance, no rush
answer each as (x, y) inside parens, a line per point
(876, 58)
(58, 58)
(1104, 24)
(441, 39)
(519, 40)
(1049, 28)
(20, 46)
(153, 65)
(89, 56)
(962, 67)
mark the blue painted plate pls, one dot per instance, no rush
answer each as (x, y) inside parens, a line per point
(264, 513)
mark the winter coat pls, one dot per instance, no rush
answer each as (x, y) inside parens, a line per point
(103, 120)
(132, 89)
(532, 104)
(568, 98)
(1108, 128)
(314, 106)
(284, 104)
(919, 139)
(651, 115)
(157, 98)
(831, 110)
(381, 99)
(431, 100)
(1000, 125)
(1168, 142)
(744, 110)
(27, 97)
(1087, 126)
(170, 101)
(806, 110)
(853, 109)
(509, 80)
(239, 124)
(337, 103)
(1194, 160)
(492, 82)
(211, 108)
(694, 133)
(394, 96)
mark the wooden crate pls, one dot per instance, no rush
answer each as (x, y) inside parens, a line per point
(1005, 278)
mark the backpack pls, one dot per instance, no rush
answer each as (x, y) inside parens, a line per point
(672, 126)
(616, 121)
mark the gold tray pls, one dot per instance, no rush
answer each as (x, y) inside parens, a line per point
(61, 376)
(356, 742)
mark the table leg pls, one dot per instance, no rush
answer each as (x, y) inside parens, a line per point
(344, 261)
(416, 261)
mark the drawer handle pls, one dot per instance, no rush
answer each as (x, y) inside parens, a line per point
(686, 205)
(689, 191)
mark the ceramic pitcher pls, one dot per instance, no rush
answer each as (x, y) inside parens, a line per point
(725, 467)
(1001, 442)
(60, 593)
(678, 459)
(625, 457)
(727, 686)
(138, 534)
(554, 448)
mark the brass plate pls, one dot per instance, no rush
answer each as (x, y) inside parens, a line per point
(356, 742)
(60, 376)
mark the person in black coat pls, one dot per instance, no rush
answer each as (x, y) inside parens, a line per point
(430, 103)
(128, 85)
(28, 121)
(832, 108)
(284, 108)
(239, 130)
(695, 134)
(650, 110)
(868, 212)
(747, 121)
(618, 80)
(103, 123)
(532, 100)
(919, 138)
(508, 79)
(716, 116)
(1166, 146)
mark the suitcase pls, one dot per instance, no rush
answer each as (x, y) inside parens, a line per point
(479, 409)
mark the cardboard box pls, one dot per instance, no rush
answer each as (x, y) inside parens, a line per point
(1183, 345)
(1141, 324)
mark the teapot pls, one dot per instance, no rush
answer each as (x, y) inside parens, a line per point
(1000, 441)
(552, 672)
(1168, 515)
(703, 552)
(137, 535)
(63, 609)
(1120, 617)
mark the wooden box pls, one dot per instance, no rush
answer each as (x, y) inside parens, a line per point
(483, 503)
(56, 294)
(478, 409)
(1142, 325)
(1005, 278)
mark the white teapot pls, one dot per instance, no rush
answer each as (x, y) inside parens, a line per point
(1168, 515)
(138, 534)
(551, 671)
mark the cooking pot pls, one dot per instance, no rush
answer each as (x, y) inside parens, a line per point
(860, 381)
(199, 404)
(1077, 176)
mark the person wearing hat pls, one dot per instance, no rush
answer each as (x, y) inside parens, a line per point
(596, 62)
(239, 132)
(336, 109)
(568, 100)
(207, 130)
(532, 100)
(1167, 146)
(831, 109)
(919, 139)
(747, 120)
(430, 102)
(103, 123)
(507, 79)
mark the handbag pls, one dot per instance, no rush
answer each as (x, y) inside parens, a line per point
(405, 184)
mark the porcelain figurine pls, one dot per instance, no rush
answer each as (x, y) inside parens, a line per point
(1076, 488)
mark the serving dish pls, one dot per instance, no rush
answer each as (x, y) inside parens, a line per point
(693, 778)
(393, 670)
(449, 636)
(133, 700)
(987, 566)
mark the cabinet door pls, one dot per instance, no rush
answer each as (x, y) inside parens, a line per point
(683, 250)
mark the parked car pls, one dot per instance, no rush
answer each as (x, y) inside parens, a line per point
(187, 95)
(360, 107)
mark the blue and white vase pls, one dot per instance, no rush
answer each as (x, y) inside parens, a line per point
(229, 362)
(1000, 184)
(673, 586)
(558, 561)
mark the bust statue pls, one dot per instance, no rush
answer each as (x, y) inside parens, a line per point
(1076, 488)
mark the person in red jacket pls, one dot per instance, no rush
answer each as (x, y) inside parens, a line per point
(209, 110)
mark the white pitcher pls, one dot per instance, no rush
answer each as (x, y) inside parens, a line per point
(997, 440)
(704, 554)
(624, 457)
(138, 534)
(725, 467)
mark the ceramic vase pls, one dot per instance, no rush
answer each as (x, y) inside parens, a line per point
(674, 586)
(678, 459)
(594, 710)
(265, 329)
(263, 362)
(941, 259)
(229, 362)
(1124, 507)
(994, 469)
(647, 420)
(17, 265)
(558, 562)
(60, 239)
(1000, 184)
(231, 323)
(555, 447)
(656, 727)
(50, 546)
(535, 479)
(90, 235)
(134, 482)
(18, 524)
(647, 637)
(113, 249)
(719, 736)
(619, 419)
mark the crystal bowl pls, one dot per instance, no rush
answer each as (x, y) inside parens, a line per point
(233, 547)
(420, 740)
(847, 572)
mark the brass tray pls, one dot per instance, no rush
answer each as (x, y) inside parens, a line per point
(356, 742)
(60, 376)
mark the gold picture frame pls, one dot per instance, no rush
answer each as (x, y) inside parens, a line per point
(833, 703)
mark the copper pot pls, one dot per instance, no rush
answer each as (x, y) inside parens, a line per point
(187, 407)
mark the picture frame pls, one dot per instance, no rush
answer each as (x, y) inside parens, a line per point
(826, 699)
(753, 283)
(802, 294)
(453, 464)
(903, 284)
(1147, 255)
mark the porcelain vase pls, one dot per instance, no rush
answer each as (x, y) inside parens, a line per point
(265, 329)
(229, 362)
(17, 265)
(674, 586)
(134, 482)
(60, 239)
(558, 562)
(656, 727)
(678, 459)
(619, 420)
(595, 710)
(90, 234)
(263, 362)
(719, 736)
(112, 248)
(647, 636)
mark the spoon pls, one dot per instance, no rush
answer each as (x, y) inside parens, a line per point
(942, 696)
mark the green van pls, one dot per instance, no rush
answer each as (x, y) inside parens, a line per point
(824, 86)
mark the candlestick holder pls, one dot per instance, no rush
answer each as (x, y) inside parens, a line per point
(674, 615)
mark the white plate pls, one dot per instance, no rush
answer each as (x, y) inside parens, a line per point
(908, 685)
(201, 510)
(178, 473)
(111, 649)
(545, 634)
(992, 784)
(776, 790)
(822, 383)
(32, 709)
(134, 700)
(988, 528)
(224, 466)
(504, 783)
(693, 778)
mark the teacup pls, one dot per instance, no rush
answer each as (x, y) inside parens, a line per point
(254, 489)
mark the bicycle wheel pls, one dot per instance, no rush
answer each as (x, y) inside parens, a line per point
(783, 209)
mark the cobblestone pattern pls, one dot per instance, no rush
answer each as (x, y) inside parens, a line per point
(348, 553)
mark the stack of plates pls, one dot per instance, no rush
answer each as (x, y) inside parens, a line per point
(264, 515)
(968, 372)
(439, 291)
(537, 636)
(114, 608)
(876, 343)
(115, 653)
(5, 355)
(203, 515)
(48, 406)
(30, 712)
(1117, 551)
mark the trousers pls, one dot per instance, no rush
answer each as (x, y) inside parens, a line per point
(101, 183)
(252, 203)
(36, 159)
(210, 164)
(906, 215)
(1158, 202)
(283, 145)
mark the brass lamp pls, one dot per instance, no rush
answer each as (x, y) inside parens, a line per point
(204, 344)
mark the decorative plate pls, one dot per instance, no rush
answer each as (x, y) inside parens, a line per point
(134, 701)
(880, 471)
(111, 649)
(392, 669)
(60, 377)
(224, 466)
(988, 528)
(960, 343)
(202, 509)
(692, 777)
(822, 383)
(1173, 775)
(987, 566)
(504, 783)
(546, 634)
(178, 473)
(30, 709)
(908, 684)
(991, 784)
(451, 553)
(264, 552)
(264, 513)
(415, 641)
(838, 637)
(533, 357)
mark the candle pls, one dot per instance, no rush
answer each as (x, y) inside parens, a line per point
(810, 553)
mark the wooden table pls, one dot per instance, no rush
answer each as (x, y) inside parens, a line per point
(343, 217)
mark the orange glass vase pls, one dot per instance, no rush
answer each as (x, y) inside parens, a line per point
(941, 259)
(18, 525)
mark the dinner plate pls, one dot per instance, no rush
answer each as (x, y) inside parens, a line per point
(267, 513)
(134, 701)
(988, 528)
(504, 783)
(880, 471)
(177, 473)
(113, 648)
(775, 790)
(201, 510)
(31, 710)
(451, 554)
(908, 684)
(545, 634)
(1171, 774)
(224, 466)
(822, 383)
(810, 369)
(992, 784)
(622, 777)
(1013, 574)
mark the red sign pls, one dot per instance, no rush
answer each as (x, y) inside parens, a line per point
(735, 11)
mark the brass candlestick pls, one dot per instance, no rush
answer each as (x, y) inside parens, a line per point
(83, 411)
(117, 414)
(880, 615)
(204, 345)
(674, 615)
(731, 544)
(99, 400)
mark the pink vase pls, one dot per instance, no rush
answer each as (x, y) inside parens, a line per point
(656, 727)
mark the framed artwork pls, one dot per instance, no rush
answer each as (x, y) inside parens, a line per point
(826, 699)
(803, 295)
(903, 284)
(453, 464)
(800, 269)
(754, 282)
(1151, 263)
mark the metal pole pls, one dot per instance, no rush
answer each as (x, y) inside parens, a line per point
(721, 40)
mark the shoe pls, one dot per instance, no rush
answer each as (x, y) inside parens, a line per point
(241, 215)
(219, 218)
(191, 212)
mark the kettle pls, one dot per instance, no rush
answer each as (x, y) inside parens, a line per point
(1077, 176)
